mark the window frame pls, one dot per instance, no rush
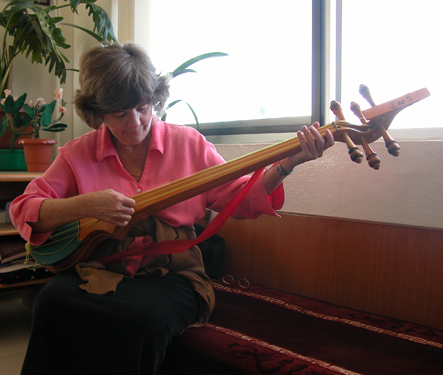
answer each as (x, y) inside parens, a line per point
(320, 85)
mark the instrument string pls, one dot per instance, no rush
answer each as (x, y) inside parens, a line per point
(67, 232)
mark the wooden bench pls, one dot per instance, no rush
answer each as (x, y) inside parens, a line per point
(327, 295)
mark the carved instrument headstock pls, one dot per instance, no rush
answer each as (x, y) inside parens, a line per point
(374, 124)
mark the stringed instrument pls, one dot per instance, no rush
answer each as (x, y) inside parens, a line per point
(73, 243)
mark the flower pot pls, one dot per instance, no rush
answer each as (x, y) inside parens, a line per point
(12, 160)
(38, 153)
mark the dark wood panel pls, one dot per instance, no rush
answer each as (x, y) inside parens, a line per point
(385, 269)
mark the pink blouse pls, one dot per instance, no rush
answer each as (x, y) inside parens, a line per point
(90, 163)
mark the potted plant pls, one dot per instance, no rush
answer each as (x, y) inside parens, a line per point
(182, 69)
(28, 119)
(31, 30)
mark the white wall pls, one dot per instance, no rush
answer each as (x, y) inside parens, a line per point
(407, 189)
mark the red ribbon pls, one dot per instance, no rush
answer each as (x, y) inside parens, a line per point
(177, 246)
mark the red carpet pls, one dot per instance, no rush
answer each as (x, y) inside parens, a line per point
(261, 331)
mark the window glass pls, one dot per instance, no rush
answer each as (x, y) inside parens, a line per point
(393, 47)
(267, 73)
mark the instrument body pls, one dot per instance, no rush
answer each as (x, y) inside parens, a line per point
(74, 243)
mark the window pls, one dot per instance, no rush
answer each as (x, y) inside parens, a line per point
(394, 47)
(281, 71)
(267, 75)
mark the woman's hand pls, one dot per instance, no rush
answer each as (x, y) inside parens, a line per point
(106, 205)
(312, 145)
(110, 206)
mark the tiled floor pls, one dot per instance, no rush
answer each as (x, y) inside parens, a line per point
(15, 328)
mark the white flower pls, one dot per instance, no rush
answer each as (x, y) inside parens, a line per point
(58, 94)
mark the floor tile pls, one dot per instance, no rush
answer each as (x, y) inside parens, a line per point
(11, 365)
(15, 326)
(19, 314)
(13, 338)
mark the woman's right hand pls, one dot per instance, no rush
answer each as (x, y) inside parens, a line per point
(106, 205)
(110, 206)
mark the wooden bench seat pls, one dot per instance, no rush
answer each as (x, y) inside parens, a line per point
(382, 275)
(263, 331)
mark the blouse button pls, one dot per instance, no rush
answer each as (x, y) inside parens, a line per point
(139, 191)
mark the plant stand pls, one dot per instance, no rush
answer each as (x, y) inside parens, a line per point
(12, 160)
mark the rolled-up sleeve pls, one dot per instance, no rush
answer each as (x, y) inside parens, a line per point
(25, 209)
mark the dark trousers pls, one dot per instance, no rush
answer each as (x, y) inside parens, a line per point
(126, 333)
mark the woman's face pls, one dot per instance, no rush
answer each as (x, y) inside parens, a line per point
(130, 127)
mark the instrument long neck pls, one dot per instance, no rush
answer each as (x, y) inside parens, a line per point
(157, 199)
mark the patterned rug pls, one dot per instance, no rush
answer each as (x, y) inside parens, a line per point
(262, 331)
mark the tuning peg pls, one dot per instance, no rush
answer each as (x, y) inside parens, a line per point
(392, 146)
(364, 91)
(336, 110)
(354, 151)
(371, 156)
(355, 108)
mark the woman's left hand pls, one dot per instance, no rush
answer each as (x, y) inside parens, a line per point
(312, 145)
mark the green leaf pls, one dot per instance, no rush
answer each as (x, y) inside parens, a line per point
(46, 117)
(30, 30)
(17, 122)
(29, 111)
(94, 35)
(39, 108)
(54, 20)
(16, 5)
(195, 116)
(196, 59)
(26, 120)
(74, 4)
(59, 39)
(56, 128)
(170, 105)
(9, 104)
(173, 104)
(183, 71)
(19, 102)
(102, 22)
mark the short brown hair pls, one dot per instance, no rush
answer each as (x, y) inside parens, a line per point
(117, 77)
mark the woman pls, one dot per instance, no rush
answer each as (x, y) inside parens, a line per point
(84, 330)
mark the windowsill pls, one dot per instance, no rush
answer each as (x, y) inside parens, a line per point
(424, 134)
